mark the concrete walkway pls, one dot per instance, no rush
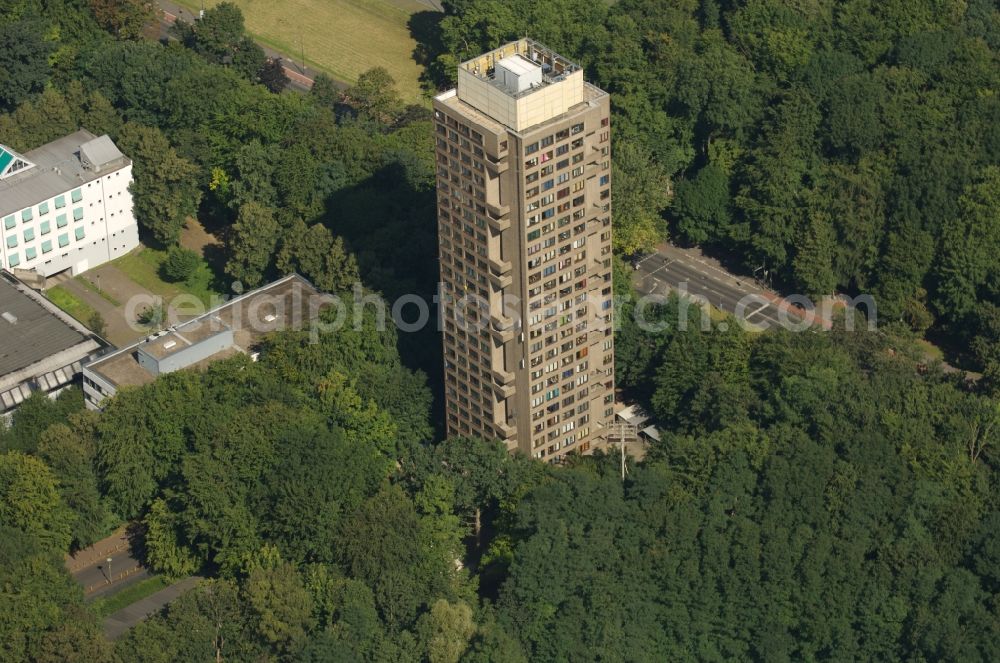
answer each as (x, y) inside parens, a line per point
(112, 281)
(121, 621)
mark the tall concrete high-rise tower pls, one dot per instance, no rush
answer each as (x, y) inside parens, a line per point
(524, 224)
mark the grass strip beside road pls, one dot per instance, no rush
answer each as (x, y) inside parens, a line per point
(108, 605)
(69, 303)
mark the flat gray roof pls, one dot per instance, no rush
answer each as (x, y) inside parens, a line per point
(284, 304)
(58, 168)
(184, 336)
(29, 333)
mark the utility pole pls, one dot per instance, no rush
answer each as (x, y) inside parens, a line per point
(111, 578)
(623, 432)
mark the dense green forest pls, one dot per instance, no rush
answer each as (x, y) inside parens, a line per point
(814, 496)
(847, 145)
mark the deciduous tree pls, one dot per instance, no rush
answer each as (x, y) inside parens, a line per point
(24, 66)
(445, 631)
(126, 19)
(314, 252)
(30, 501)
(374, 96)
(640, 191)
(252, 240)
(165, 186)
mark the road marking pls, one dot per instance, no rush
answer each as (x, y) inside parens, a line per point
(708, 282)
(661, 267)
(743, 282)
(644, 259)
(759, 318)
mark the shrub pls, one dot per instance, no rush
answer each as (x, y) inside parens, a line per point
(180, 264)
(97, 324)
(152, 316)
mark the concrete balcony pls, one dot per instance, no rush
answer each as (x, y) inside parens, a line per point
(502, 377)
(503, 391)
(505, 430)
(497, 210)
(501, 281)
(499, 266)
(498, 224)
(496, 167)
(501, 322)
(503, 334)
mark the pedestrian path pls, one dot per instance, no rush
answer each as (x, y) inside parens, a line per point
(115, 625)
(91, 555)
(98, 576)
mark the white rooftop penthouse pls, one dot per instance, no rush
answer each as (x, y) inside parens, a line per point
(521, 84)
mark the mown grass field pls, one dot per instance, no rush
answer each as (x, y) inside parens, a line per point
(342, 37)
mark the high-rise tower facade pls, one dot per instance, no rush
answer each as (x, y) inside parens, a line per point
(524, 224)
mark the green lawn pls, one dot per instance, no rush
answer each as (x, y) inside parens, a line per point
(143, 267)
(342, 37)
(106, 606)
(68, 302)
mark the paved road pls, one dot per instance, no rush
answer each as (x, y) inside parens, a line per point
(90, 568)
(300, 76)
(684, 270)
(94, 578)
(116, 624)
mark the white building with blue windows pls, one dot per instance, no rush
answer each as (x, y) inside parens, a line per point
(65, 206)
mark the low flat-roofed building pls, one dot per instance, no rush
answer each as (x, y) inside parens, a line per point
(237, 326)
(41, 347)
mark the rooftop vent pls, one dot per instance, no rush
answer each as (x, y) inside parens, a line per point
(9, 317)
(169, 344)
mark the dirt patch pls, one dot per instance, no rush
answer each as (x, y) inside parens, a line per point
(195, 237)
(208, 245)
